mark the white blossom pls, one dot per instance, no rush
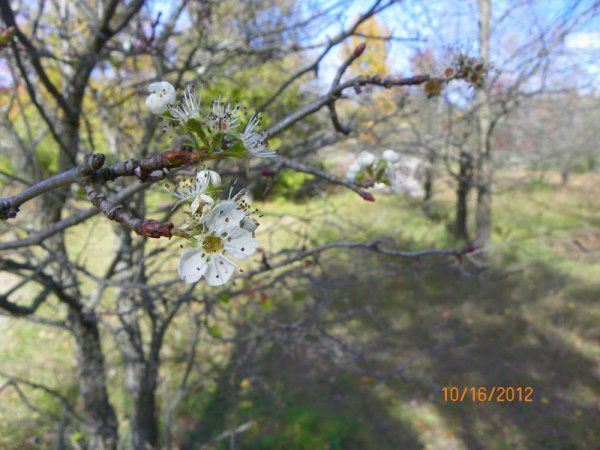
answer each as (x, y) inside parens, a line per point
(189, 106)
(391, 156)
(225, 236)
(404, 176)
(162, 94)
(366, 159)
(194, 190)
(353, 171)
(255, 141)
(224, 116)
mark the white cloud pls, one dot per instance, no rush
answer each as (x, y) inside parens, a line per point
(585, 40)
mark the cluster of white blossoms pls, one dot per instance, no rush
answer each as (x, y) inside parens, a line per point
(400, 173)
(221, 121)
(369, 163)
(217, 230)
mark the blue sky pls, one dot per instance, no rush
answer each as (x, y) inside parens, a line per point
(452, 24)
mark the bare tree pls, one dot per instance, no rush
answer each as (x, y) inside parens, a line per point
(134, 299)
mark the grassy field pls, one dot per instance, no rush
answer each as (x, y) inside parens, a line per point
(528, 314)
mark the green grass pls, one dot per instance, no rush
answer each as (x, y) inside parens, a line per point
(529, 317)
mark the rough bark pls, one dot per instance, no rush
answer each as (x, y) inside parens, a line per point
(428, 187)
(429, 177)
(141, 370)
(102, 433)
(465, 180)
(141, 383)
(484, 182)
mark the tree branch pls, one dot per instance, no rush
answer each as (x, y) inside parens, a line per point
(335, 93)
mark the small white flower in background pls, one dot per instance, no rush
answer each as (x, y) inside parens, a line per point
(404, 176)
(194, 190)
(226, 234)
(256, 141)
(162, 94)
(223, 117)
(189, 106)
(391, 156)
(353, 170)
(366, 159)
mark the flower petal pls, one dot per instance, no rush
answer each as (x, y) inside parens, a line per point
(248, 224)
(155, 104)
(155, 87)
(192, 265)
(391, 156)
(195, 205)
(366, 159)
(162, 94)
(207, 199)
(240, 243)
(224, 216)
(219, 270)
(169, 92)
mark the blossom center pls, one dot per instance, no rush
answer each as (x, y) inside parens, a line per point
(212, 244)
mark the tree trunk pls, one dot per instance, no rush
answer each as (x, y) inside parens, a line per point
(564, 177)
(101, 420)
(428, 186)
(141, 375)
(141, 370)
(102, 433)
(429, 177)
(465, 180)
(484, 181)
(141, 385)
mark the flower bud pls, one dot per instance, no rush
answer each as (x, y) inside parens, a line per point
(367, 196)
(155, 229)
(470, 248)
(176, 158)
(359, 49)
(162, 94)
(213, 177)
(267, 172)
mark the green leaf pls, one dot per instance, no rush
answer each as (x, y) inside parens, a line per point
(223, 297)
(267, 304)
(77, 437)
(167, 115)
(216, 143)
(194, 126)
(236, 150)
(214, 331)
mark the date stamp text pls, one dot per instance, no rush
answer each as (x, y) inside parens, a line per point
(487, 394)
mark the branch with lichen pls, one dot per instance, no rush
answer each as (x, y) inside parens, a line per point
(90, 173)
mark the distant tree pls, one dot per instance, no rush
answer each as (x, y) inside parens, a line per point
(75, 113)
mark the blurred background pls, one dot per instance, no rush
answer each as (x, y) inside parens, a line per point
(331, 338)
